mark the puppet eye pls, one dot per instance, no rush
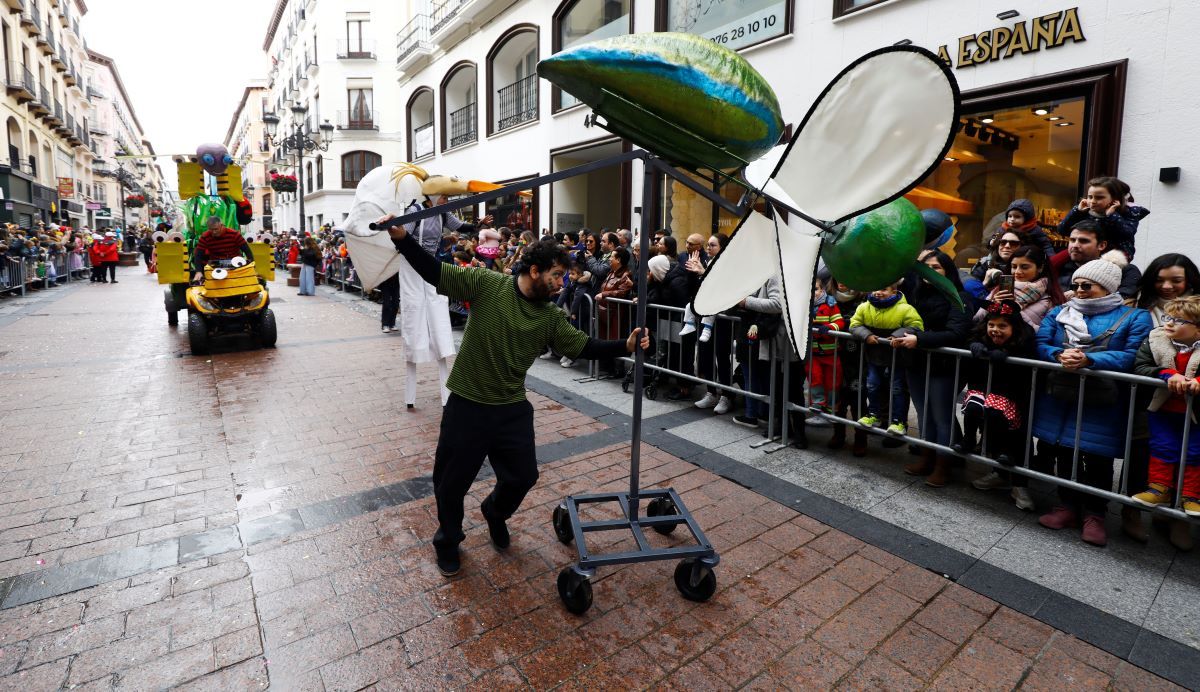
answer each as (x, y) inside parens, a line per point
(266, 238)
(219, 274)
(175, 237)
(159, 236)
(208, 159)
(227, 159)
(238, 262)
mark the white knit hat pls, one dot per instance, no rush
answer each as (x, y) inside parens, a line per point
(1102, 272)
(659, 265)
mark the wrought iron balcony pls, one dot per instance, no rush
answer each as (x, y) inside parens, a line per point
(20, 82)
(360, 119)
(356, 49)
(518, 102)
(412, 42)
(463, 128)
(31, 21)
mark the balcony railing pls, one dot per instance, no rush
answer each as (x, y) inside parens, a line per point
(20, 82)
(462, 125)
(31, 21)
(93, 93)
(413, 37)
(358, 120)
(518, 102)
(356, 50)
(422, 145)
(442, 14)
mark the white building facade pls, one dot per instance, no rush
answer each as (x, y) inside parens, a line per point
(336, 60)
(247, 144)
(125, 163)
(1054, 94)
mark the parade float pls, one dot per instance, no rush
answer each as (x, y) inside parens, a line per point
(233, 296)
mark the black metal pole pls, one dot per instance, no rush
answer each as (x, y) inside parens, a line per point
(299, 140)
(635, 449)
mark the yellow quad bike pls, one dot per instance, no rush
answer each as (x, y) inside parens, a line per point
(231, 300)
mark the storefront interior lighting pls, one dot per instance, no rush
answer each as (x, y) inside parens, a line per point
(987, 120)
(950, 158)
(1008, 14)
(1041, 110)
(1063, 124)
(1054, 118)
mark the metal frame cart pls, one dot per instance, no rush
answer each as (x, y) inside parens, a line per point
(664, 510)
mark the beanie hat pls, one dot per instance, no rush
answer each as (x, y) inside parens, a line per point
(1022, 205)
(659, 266)
(1102, 272)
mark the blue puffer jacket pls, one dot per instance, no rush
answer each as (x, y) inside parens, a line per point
(1103, 430)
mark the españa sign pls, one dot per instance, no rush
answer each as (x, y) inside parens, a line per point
(1048, 31)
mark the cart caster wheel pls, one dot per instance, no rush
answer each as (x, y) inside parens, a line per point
(562, 526)
(575, 591)
(651, 392)
(695, 581)
(660, 507)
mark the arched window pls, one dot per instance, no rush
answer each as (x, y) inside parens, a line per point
(512, 78)
(419, 115)
(459, 106)
(355, 165)
(580, 21)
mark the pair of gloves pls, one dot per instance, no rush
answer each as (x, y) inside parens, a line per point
(979, 350)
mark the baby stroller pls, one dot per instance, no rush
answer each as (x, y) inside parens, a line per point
(651, 378)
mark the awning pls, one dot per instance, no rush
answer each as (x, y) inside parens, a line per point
(927, 198)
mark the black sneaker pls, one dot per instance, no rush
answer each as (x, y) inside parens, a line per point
(448, 560)
(746, 421)
(496, 526)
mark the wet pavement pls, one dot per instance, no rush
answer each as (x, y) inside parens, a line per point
(261, 518)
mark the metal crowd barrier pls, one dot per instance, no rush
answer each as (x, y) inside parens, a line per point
(339, 272)
(12, 275)
(1037, 373)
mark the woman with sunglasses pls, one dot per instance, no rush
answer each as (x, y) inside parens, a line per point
(1095, 331)
(1167, 278)
(1034, 286)
(988, 269)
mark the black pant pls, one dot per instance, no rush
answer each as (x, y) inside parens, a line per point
(717, 351)
(147, 253)
(389, 291)
(112, 270)
(470, 432)
(1094, 470)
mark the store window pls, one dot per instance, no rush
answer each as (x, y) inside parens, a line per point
(844, 7)
(581, 21)
(1040, 139)
(732, 24)
(518, 211)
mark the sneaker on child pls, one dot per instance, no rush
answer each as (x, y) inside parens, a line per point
(870, 420)
(688, 328)
(710, 400)
(746, 421)
(566, 362)
(548, 355)
(1023, 499)
(992, 481)
(1155, 495)
(897, 428)
(723, 406)
(705, 334)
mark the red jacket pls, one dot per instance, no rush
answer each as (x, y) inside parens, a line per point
(109, 248)
(827, 313)
(94, 253)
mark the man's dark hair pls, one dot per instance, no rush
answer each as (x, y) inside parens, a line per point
(1092, 226)
(544, 254)
(612, 239)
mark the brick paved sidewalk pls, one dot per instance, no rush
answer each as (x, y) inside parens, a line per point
(360, 603)
(260, 518)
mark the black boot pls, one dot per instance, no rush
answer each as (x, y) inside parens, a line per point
(839, 437)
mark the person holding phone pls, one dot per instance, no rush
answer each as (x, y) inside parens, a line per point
(1030, 284)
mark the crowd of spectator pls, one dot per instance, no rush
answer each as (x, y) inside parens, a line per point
(45, 252)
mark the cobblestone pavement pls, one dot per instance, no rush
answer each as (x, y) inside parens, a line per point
(261, 518)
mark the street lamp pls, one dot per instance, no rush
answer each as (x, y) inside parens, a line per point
(299, 142)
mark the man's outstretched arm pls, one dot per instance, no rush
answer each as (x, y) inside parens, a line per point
(426, 266)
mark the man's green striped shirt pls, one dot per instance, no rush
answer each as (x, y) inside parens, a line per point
(505, 333)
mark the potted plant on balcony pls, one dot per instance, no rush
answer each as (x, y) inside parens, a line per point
(135, 201)
(282, 182)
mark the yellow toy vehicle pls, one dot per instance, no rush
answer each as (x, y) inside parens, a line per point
(231, 300)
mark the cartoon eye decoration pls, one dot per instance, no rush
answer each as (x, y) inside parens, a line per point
(175, 237)
(208, 159)
(266, 238)
(219, 274)
(159, 236)
(227, 159)
(238, 262)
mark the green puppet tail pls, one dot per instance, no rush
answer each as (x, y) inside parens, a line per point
(940, 282)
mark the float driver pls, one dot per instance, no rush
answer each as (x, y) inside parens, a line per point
(512, 322)
(218, 243)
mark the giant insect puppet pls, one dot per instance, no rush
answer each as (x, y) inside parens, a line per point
(219, 195)
(879, 128)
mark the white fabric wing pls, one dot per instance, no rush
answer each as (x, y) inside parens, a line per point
(751, 258)
(880, 127)
(375, 257)
(799, 250)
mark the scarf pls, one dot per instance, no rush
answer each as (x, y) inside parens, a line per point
(883, 303)
(1071, 317)
(1028, 293)
(1185, 348)
(1029, 226)
(846, 296)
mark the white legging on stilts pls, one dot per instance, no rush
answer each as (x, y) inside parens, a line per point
(410, 381)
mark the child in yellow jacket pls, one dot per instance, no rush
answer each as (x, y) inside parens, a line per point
(885, 314)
